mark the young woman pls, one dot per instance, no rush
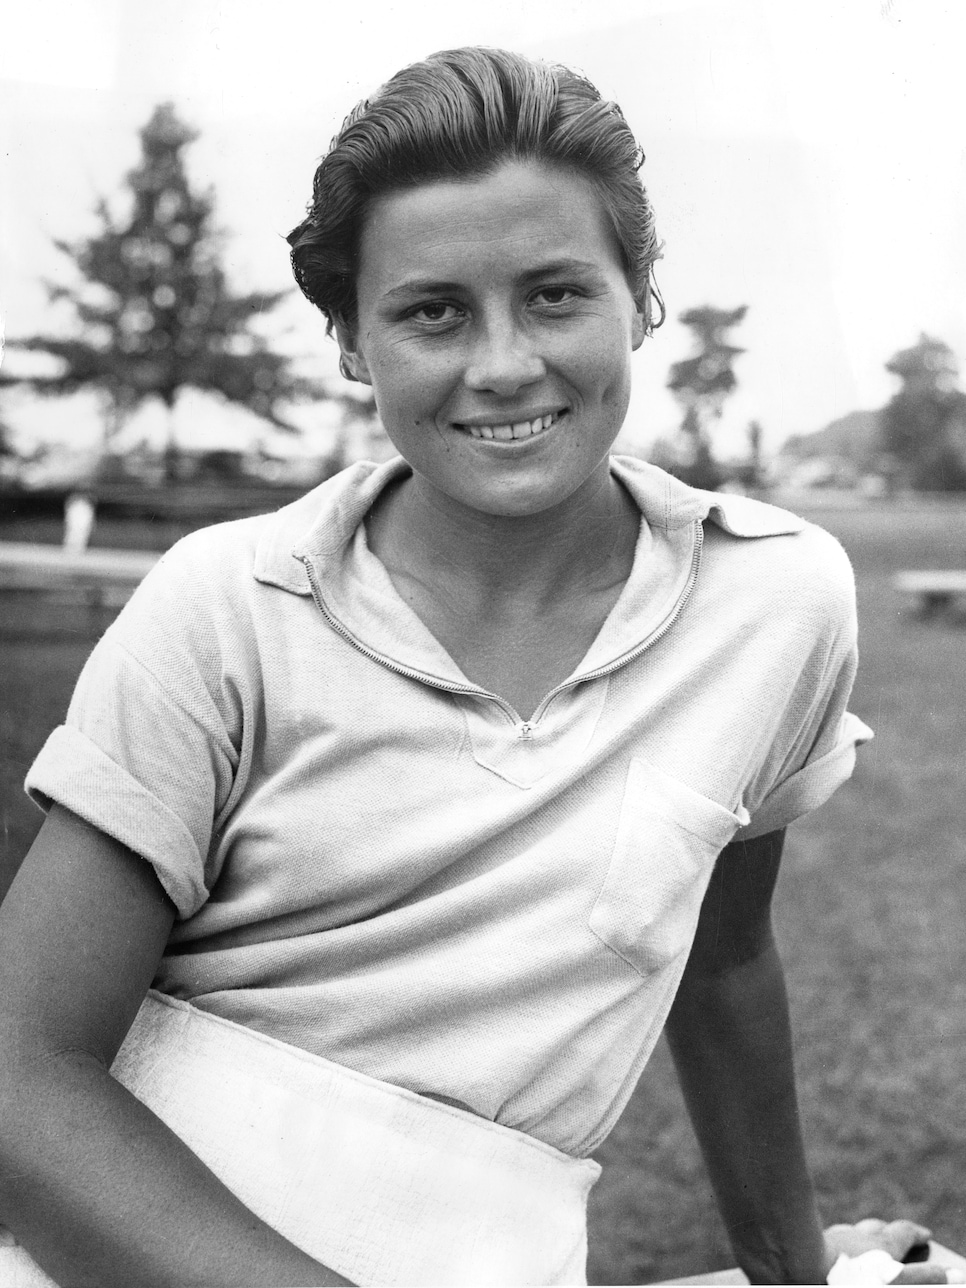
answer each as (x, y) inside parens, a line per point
(424, 804)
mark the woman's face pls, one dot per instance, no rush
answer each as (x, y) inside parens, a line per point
(495, 325)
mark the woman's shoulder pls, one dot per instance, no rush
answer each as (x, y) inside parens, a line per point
(211, 589)
(223, 561)
(203, 577)
(783, 568)
(740, 529)
(805, 543)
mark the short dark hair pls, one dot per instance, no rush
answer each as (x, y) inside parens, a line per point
(457, 114)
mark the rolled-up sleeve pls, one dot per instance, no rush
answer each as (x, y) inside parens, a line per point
(810, 786)
(814, 737)
(147, 765)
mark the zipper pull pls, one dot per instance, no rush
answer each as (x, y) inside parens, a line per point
(526, 731)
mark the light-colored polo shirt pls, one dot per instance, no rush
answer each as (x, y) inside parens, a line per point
(377, 860)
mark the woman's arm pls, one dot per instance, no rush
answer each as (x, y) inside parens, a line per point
(97, 1189)
(730, 1037)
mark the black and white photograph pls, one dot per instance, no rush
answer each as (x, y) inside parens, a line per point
(482, 643)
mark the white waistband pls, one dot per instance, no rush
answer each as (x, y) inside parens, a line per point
(383, 1185)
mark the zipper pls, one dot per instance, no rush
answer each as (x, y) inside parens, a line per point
(525, 728)
(645, 644)
(435, 681)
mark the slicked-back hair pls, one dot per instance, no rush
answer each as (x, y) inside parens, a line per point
(460, 114)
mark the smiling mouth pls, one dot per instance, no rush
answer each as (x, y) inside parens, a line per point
(516, 431)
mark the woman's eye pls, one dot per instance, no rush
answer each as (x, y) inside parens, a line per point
(554, 295)
(436, 311)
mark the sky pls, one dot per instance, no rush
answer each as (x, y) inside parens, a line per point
(806, 160)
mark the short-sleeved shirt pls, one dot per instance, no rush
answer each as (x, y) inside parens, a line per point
(379, 861)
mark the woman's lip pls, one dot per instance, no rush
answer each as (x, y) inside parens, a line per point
(505, 433)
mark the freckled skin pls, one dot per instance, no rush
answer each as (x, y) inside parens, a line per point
(493, 300)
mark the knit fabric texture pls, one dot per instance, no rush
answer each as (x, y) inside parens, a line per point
(375, 860)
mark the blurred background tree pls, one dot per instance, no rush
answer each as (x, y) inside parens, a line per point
(701, 383)
(153, 312)
(750, 474)
(923, 427)
(755, 467)
(7, 449)
(6, 433)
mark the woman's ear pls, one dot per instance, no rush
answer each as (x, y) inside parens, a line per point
(352, 364)
(641, 321)
(638, 327)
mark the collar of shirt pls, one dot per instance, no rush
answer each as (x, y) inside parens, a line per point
(318, 546)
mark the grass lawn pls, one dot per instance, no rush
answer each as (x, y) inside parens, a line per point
(871, 913)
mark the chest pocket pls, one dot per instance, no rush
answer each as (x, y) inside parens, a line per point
(668, 838)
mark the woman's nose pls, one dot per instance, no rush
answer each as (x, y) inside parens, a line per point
(503, 360)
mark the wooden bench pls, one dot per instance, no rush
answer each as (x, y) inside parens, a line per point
(99, 578)
(932, 591)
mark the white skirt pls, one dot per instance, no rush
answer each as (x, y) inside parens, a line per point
(379, 1183)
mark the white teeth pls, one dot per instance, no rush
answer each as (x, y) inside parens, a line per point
(519, 429)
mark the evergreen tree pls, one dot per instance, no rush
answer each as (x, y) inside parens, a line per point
(701, 383)
(153, 312)
(923, 427)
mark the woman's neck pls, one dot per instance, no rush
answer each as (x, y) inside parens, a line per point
(584, 544)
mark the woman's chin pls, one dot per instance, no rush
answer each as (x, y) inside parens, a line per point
(501, 490)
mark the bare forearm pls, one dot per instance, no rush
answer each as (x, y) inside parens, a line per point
(730, 1037)
(101, 1193)
(96, 1188)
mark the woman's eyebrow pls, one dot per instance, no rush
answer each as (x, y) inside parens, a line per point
(421, 286)
(436, 286)
(565, 264)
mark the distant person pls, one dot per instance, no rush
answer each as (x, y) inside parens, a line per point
(79, 516)
(423, 805)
